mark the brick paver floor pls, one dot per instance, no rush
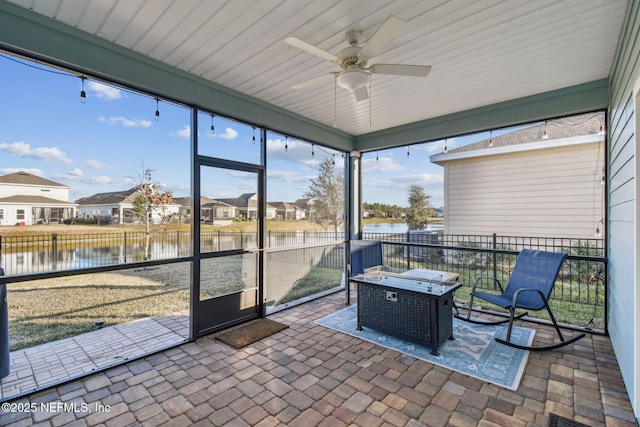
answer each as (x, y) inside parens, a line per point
(308, 375)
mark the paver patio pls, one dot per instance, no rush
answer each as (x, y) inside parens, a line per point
(308, 375)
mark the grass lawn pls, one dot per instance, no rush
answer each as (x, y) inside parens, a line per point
(51, 309)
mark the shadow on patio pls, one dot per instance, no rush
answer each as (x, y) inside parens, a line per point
(309, 375)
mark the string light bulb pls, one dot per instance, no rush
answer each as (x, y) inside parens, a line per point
(157, 110)
(83, 94)
(491, 138)
(598, 229)
(446, 150)
(408, 152)
(286, 143)
(545, 135)
(213, 128)
(313, 152)
(253, 138)
(377, 158)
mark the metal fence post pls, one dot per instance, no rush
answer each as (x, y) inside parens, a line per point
(495, 260)
(408, 251)
(5, 361)
(54, 250)
(125, 246)
(178, 242)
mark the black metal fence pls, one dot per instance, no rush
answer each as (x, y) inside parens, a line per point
(52, 252)
(579, 296)
(581, 286)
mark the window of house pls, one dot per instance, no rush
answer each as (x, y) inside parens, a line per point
(20, 214)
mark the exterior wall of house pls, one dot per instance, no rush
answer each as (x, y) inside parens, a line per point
(106, 211)
(58, 193)
(16, 213)
(539, 193)
(623, 215)
(92, 211)
(13, 214)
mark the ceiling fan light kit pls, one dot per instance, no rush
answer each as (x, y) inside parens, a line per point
(352, 79)
(353, 59)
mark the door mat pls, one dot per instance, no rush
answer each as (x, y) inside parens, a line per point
(250, 332)
(558, 421)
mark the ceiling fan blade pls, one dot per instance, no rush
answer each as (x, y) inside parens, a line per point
(383, 35)
(311, 49)
(361, 93)
(313, 81)
(401, 70)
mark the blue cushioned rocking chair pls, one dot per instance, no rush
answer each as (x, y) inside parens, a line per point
(529, 288)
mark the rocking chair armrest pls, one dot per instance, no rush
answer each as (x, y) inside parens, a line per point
(518, 291)
(478, 278)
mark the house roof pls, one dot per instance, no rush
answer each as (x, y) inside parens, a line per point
(25, 178)
(241, 201)
(565, 127)
(35, 200)
(110, 198)
(204, 201)
(283, 205)
(566, 130)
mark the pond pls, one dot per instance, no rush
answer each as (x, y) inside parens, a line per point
(394, 227)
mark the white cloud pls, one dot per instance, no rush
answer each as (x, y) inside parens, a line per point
(48, 154)
(286, 176)
(102, 91)
(435, 146)
(32, 171)
(128, 123)
(300, 153)
(241, 174)
(381, 164)
(185, 132)
(228, 134)
(420, 179)
(95, 164)
(76, 175)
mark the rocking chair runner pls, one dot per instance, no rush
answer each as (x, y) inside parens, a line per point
(529, 288)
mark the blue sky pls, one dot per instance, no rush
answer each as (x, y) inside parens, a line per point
(105, 143)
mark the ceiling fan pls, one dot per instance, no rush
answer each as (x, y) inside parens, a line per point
(354, 58)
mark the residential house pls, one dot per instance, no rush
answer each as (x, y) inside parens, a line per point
(304, 207)
(212, 211)
(543, 180)
(118, 207)
(27, 199)
(287, 211)
(247, 206)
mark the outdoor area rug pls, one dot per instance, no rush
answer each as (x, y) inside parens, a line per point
(250, 332)
(474, 351)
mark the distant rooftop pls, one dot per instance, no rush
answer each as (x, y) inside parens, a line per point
(565, 127)
(25, 178)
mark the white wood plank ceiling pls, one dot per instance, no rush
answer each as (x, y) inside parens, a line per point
(482, 52)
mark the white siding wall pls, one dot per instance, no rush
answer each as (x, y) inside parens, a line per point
(551, 192)
(624, 298)
(11, 214)
(58, 193)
